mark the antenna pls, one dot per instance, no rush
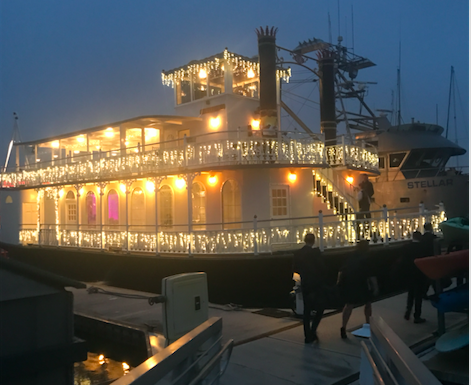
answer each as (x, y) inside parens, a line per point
(449, 101)
(353, 34)
(399, 88)
(338, 16)
(330, 28)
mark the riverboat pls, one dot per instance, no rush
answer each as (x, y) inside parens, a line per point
(218, 177)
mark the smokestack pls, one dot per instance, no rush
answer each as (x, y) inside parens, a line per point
(327, 96)
(267, 60)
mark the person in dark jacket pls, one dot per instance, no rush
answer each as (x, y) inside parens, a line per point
(417, 282)
(365, 196)
(357, 285)
(309, 265)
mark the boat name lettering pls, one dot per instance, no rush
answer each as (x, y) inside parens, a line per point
(428, 183)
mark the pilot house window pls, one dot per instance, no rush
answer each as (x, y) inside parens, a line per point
(395, 160)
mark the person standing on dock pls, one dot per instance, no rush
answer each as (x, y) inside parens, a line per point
(357, 285)
(417, 282)
(309, 265)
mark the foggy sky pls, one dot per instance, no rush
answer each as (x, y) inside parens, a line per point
(67, 65)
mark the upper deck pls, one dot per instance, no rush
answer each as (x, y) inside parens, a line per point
(131, 153)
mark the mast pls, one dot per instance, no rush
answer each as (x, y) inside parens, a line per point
(15, 138)
(449, 100)
(399, 88)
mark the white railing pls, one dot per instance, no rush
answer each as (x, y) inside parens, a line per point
(190, 154)
(169, 158)
(357, 155)
(196, 358)
(258, 236)
(386, 359)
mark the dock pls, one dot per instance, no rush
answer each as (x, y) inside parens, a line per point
(269, 343)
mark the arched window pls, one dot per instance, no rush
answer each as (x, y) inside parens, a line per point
(113, 208)
(138, 210)
(231, 207)
(198, 198)
(166, 206)
(71, 207)
(90, 204)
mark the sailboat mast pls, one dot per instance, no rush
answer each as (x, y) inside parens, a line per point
(449, 100)
(399, 88)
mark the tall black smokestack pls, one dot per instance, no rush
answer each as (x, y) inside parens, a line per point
(267, 60)
(327, 97)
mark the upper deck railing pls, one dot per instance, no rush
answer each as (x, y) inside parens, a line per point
(192, 154)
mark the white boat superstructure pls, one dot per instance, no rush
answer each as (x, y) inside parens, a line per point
(218, 177)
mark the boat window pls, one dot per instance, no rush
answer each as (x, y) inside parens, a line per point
(245, 82)
(279, 201)
(198, 199)
(200, 88)
(216, 81)
(430, 158)
(138, 210)
(90, 204)
(113, 208)
(396, 159)
(29, 215)
(231, 204)
(166, 206)
(183, 91)
(71, 207)
(381, 162)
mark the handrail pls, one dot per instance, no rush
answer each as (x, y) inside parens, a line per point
(181, 354)
(400, 364)
(372, 363)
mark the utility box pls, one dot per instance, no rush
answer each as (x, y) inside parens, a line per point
(186, 304)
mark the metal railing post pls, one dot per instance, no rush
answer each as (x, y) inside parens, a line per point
(386, 225)
(255, 242)
(321, 231)
(344, 162)
(421, 217)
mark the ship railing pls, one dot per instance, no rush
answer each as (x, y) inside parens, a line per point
(356, 155)
(172, 157)
(385, 226)
(228, 148)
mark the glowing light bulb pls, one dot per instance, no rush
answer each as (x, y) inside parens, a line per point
(250, 73)
(61, 193)
(55, 144)
(150, 186)
(122, 187)
(109, 132)
(80, 139)
(212, 179)
(215, 122)
(349, 179)
(255, 123)
(180, 183)
(202, 74)
(292, 177)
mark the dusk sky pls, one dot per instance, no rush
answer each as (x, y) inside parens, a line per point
(68, 65)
